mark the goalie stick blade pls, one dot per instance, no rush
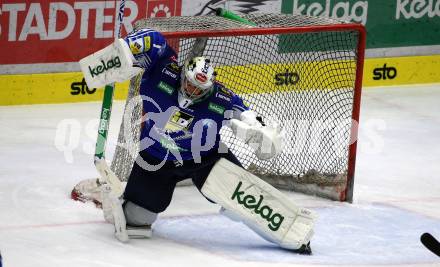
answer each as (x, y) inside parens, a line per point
(78, 196)
(304, 250)
(430, 243)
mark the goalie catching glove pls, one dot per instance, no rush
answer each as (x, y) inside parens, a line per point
(266, 140)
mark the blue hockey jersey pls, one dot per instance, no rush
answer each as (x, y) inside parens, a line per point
(168, 131)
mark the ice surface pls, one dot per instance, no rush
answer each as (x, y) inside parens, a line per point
(397, 196)
(370, 240)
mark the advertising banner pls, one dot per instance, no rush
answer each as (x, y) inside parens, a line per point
(67, 30)
(50, 88)
(389, 23)
(41, 41)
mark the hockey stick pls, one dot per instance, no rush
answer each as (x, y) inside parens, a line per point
(104, 121)
(225, 13)
(430, 243)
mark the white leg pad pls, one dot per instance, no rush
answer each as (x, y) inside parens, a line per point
(259, 205)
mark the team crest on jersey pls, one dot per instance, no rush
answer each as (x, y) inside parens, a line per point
(140, 45)
(179, 121)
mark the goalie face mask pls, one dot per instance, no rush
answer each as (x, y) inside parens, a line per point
(197, 81)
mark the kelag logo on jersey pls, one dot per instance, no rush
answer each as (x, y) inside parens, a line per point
(81, 88)
(384, 73)
(165, 87)
(216, 108)
(169, 144)
(286, 78)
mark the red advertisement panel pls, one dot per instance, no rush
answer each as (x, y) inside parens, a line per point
(43, 31)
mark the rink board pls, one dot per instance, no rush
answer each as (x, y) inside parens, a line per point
(69, 87)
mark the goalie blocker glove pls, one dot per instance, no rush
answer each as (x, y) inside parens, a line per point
(124, 58)
(266, 140)
(112, 64)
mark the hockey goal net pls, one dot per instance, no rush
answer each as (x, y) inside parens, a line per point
(303, 72)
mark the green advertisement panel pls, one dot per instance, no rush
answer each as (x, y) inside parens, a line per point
(389, 23)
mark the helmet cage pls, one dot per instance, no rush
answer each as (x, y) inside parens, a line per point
(198, 73)
(196, 93)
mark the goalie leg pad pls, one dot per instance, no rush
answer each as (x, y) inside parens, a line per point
(259, 205)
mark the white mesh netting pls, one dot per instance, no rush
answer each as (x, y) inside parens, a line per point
(303, 79)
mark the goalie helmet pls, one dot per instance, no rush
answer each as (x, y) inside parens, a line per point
(198, 77)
